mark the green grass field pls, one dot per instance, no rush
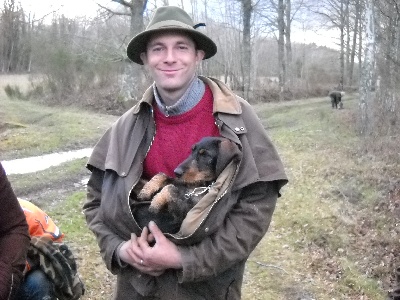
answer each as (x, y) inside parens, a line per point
(333, 235)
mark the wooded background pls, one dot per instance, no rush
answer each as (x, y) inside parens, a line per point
(83, 60)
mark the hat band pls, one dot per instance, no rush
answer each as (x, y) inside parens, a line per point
(169, 23)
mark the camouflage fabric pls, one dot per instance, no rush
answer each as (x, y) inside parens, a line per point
(58, 262)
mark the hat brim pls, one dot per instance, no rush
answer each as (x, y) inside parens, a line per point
(138, 43)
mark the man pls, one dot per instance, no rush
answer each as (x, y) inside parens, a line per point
(14, 239)
(206, 258)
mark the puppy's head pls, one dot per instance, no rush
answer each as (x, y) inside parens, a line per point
(207, 160)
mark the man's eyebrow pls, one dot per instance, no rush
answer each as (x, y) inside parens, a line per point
(152, 44)
(158, 43)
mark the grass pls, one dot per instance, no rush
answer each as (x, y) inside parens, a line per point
(98, 281)
(333, 234)
(309, 250)
(30, 129)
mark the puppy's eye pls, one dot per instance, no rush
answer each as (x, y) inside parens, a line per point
(202, 151)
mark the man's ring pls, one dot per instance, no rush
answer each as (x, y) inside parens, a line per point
(141, 262)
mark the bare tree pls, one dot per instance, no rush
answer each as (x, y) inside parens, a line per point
(288, 41)
(366, 96)
(387, 108)
(131, 80)
(333, 13)
(10, 30)
(281, 49)
(356, 33)
(247, 10)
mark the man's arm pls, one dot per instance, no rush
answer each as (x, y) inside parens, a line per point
(244, 227)
(107, 240)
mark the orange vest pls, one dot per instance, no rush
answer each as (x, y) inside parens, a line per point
(40, 224)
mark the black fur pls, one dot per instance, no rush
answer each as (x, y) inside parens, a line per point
(172, 198)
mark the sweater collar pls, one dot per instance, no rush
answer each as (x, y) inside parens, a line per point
(225, 101)
(189, 99)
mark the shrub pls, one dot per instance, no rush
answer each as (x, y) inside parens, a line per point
(13, 92)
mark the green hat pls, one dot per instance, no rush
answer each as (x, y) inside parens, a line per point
(168, 18)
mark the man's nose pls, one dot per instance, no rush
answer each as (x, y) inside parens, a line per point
(170, 55)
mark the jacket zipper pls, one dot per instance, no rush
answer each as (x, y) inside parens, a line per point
(216, 201)
(135, 183)
(212, 206)
(12, 286)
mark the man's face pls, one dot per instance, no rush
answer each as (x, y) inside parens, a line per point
(171, 59)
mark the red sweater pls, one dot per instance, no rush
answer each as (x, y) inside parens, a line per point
(175, 136)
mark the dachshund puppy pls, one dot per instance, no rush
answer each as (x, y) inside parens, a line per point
(194, 177)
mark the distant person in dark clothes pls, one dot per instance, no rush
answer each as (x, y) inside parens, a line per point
(336, 99)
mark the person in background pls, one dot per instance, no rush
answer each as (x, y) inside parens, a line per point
(14, 239)
(206, 258)
(35, 264)
(36, 284)
(51, 272)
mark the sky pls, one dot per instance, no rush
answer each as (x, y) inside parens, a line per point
(77, 8)
(72, 8)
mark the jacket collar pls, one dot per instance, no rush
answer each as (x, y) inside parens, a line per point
(225, 101)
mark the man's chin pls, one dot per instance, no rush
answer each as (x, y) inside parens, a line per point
(171, 88)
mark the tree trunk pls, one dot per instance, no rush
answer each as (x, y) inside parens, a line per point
(131, 79)
(354, 43)
(288, 43)
(281, 49)
(347, 45)
(367, 70)
(342, 25)
(246, 49)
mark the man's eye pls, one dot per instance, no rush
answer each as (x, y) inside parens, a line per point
(157, 49)
(183, 47)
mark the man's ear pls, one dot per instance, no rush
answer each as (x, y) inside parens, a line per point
(200, 55)
(143, 57)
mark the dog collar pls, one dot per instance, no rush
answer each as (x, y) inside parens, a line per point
(198, 191)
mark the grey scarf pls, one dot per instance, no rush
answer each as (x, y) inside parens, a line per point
(189, 99)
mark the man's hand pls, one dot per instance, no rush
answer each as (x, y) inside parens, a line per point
(152, 260)
(164, 254)
(131, 253)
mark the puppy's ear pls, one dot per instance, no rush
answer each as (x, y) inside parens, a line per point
(228, 151)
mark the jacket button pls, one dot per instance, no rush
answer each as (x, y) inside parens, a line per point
(237, 129)
(206, 229)
(123, 173)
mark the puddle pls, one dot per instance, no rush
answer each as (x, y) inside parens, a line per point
(40, 163)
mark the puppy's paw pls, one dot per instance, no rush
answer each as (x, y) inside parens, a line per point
(145, 193)
(161, 199)
(152, 186)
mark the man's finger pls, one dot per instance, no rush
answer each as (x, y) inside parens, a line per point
(150, 238)
(142, 240)
(157, 233)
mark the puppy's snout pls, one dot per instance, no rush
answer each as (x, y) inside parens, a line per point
(178, 172)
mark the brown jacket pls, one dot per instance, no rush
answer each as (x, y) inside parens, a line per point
(14, 239)
(224, 233)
